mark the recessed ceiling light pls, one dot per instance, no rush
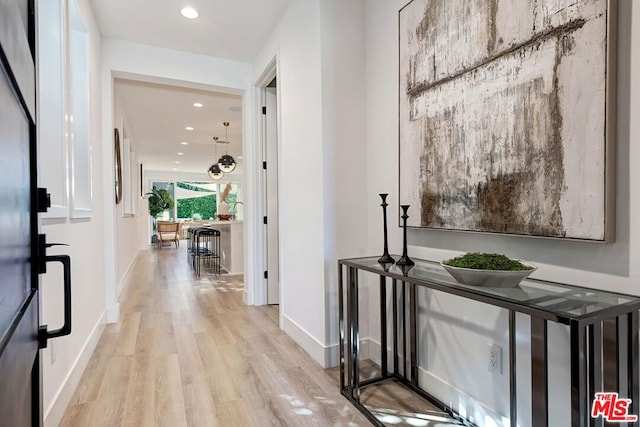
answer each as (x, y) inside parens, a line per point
(184, 143)
(189, 128)
(180, 154)
(177, 163)
(189, 12)
(240, 157)
(198, 105)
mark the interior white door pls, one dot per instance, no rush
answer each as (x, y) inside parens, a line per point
(271, 182)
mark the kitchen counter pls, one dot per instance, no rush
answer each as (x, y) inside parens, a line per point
(231, 242)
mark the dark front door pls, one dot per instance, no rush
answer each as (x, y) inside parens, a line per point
(19, 363)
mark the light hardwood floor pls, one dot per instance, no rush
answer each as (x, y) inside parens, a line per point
(188, 352)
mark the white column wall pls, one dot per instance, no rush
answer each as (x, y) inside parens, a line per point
(319, 47)
(296, 43)
(344, 154)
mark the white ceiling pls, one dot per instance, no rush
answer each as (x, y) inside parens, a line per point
(158, 114)
(233, 29)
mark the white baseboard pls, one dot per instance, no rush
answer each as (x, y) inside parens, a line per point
(326, 356)
(332, 355)
(305, 340)
(54, 413)
(247, 297)
(113, 313)
(123, 280)
(235, 273)
(368, 349)
(470, 408)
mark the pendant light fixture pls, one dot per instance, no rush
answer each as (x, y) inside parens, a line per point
(227, 163)
(214, 171)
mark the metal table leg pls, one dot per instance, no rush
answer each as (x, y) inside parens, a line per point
(413, 341)
(355, 334)
(579, 413)
(383, 325)
(539, 387)
(349, 335)
(341, 324)
(404, 331)
(610, 356)
(513, 391)
(595, 332)
(395, 326)
(633, 369)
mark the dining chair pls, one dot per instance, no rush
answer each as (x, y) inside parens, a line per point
(168, 232)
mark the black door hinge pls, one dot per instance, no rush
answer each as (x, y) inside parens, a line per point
(266, 274)
(43, 200)
(264, 220)
(264, 165)
(264, 110)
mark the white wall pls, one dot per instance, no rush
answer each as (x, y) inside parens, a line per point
(344, 151)
(85, 248)
(319, 47)
(296, 43)
(459, 330)
(148, 63)
(127, 226)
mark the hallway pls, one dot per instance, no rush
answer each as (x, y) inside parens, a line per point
(187, 351)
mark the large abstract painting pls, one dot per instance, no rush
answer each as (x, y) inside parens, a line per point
(506, 119)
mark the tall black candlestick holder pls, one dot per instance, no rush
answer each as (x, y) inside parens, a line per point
(405, 260)
(385, 258)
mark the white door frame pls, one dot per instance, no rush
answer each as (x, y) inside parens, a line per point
(268, 74)
(110, 250)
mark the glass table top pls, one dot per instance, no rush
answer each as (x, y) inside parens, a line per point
(557, 299)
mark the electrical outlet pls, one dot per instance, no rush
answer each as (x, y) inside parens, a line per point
(52, 345)
(495, 358)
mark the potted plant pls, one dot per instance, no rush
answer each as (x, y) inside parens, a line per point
(159, 201)
(484, 269)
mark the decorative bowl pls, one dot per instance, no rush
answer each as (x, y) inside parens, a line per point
(223, 217)
(488, 278)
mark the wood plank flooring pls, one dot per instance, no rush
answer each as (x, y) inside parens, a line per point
(188, 352)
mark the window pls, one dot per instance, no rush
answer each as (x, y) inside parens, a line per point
(196, 200)
(168, 214)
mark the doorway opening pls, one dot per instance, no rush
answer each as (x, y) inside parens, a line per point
(175, 133)
(267, 86)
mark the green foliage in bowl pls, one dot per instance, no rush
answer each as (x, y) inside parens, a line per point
(485, 261)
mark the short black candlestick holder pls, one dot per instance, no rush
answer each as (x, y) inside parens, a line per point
(385, 258)
(405, 260)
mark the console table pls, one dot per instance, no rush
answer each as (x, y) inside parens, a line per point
(599, 322)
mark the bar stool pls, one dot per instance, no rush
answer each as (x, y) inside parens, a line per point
(206, 246)
(190, 240)
(191, 246)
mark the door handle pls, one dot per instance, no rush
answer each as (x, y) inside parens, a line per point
(43, 333)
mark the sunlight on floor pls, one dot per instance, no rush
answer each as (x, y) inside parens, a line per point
(393, 417)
